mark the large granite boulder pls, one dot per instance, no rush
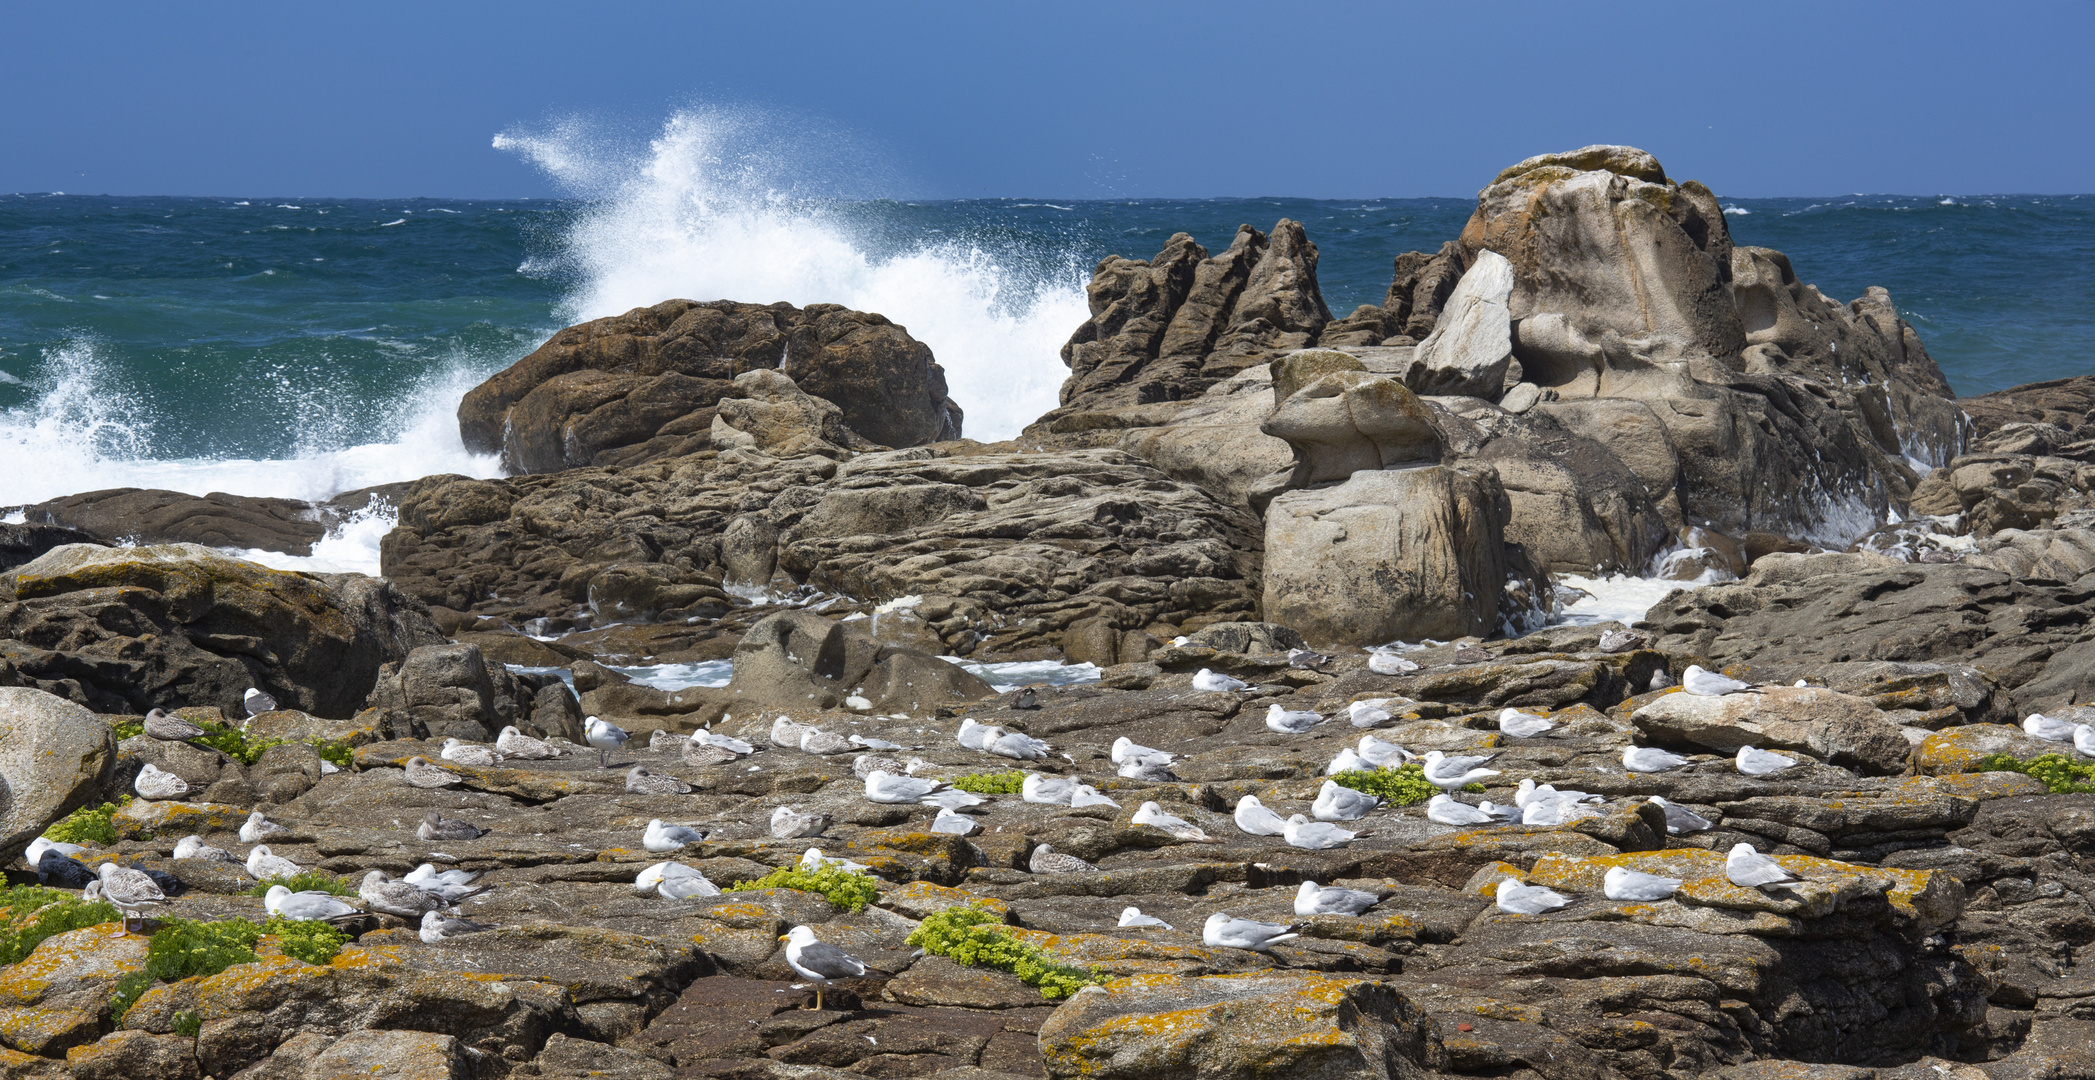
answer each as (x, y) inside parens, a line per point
(1471, 346)
(1847, 731)
(644, 386)
(53, 756)
(1343, 421)
(442, 691)
(127, 629)
(1404, 553)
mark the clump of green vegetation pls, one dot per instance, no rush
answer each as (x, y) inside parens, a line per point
(973, 937)
(847, 889)
(188, 1024)
(34, 913)
(184, 948)
(994, 783)
(306, 881)
(1402, 786)
(128, 728)
(244, 748)
(309, 940)
(88, 825)
(334, 752)
(2058, 772)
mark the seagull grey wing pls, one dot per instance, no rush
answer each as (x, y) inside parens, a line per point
(830, 962)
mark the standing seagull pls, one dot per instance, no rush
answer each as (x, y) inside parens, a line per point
(1647, 759)
(1315, 899)
(168, 727)
(1622, 883)
(821, 964)
(1224, 932)
(1455, 773)
(1762, 762)
(1749, 869)
(1213, 682)
(257, 701)
(1293, 722)
(1703, 683)
(129, 891)
(1517, 899)
(1253, 817)
(606, 737)
(1335, 803)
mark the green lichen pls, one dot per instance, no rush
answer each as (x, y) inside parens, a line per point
(2058, 772)
(94, 825)
(306, 881)
(847, 889)
(975, 938)
(1402, 786)
(997, 783)
(34, 913)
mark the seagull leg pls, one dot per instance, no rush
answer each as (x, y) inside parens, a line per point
(603, 759)
(818, 999)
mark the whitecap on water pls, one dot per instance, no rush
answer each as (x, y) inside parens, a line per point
(1616, 598)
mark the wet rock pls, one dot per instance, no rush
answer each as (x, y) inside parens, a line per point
(54, 756)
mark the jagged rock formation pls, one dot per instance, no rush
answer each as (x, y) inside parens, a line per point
(644, 386)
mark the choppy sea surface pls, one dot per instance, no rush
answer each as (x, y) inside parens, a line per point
(301, 347)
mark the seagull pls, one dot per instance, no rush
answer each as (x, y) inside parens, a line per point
(1253, 817)
(660, 837)
(435, 826)
(2084, 739)
(129, 891)
(1517, 899)
(257, 701)
(651, 878)
(1224, 932)
(168, 727)
(1046, 860)
(422, 774)
(192, 847)
(1704, 683)
(259, 828)
(1454, 773)
(1648, 759)
(698, 755)
(1554, 812)
(686, 886)
(953, 799)
(786, 735)
(1337, 803)
(1154, 816)
(735, 746)
(1017, 746)
(54, 868)
(2044, 727)
(975, 736)
(817, 741)
(819, 963)
(1028, 698)
(1522, 725)
(1527, 792)
(1308, 659)
(1301, 832)
(606, 737)
(1750, 869)
(639, 781)
(788, 823)
(452, 885)
(813, 859)
(1762, 762)
(1381, 754)
(1315, 899)
(466, 753)
(1660, 680)
(38, 846)
(1367, 714)
(1213, 682)
(311, 904)
(1623, 883)
(398, 898)
(516, 744)
(1086, 795)
(1615, 641)
(1126, 750)
(436, 928)
(1149, 770)
(1679, 819)
(874, 744)
(1347, 761)
(1048, 790)
(664, 739)
(263, 864)
(865, 765)
(1389, 663)
(1133, 916)
(885, 787)
(952, 824)
(1444, 809)
(156, 783)
(1498, 813)
(1292, 722)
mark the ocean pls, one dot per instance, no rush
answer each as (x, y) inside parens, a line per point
(301, 347)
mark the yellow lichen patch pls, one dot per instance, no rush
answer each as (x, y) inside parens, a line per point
(76, 960)
(1924, 896)
(48, 1031)
(141, 818)
(920, 898)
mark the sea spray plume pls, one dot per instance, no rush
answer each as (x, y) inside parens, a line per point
(746, 204)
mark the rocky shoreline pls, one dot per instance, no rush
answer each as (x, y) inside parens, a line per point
(1592, 379)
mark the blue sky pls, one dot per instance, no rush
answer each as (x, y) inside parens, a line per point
(1073, 100)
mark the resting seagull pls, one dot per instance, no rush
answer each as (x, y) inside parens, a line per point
(422, 774)
(263, 864)
(155, 783)
(660, 837)
(1046, 860)
(1680, 819)
(1336, 803)
(788, 823)
(435, 826)
(1703, 683)
(466, 753)
(951, 824)
(1622, 883)
(1214, 682)
(257, 701)
(1224, 932)
(1648, 759)
(1253, 817)
(1455, 773)
(821, 964)
(885, 787)
(382, 894)
(1315, 899)
(168, 727)
(309, 905)
(1517, 899)
(1762, 762)
(1522, 725)
(1293, 722)
(1154, 816)
(1443, 809)
(2048, 729)
(436, 928)
(193, 847)
(2084, 739)
(1749, 869)
(1383, 755)
(1389, 663)
(640, 781)
(1133, 917)
(516, 744)
(1126, 750)
(1367, 714)
(1301, 832)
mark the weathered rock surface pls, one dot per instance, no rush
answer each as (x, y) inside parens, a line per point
(128, 629)
(646, 385)
(53, 756)
(151, 516)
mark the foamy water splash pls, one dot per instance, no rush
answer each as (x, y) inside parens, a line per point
(719, 208)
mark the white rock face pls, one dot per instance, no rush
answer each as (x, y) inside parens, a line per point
(1471, 347)
(52, 755)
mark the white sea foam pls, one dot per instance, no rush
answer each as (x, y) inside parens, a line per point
(86, 430)
(715, 209)
(349, 548)
(1617, 598)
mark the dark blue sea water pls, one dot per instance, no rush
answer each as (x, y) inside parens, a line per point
(301, 347)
